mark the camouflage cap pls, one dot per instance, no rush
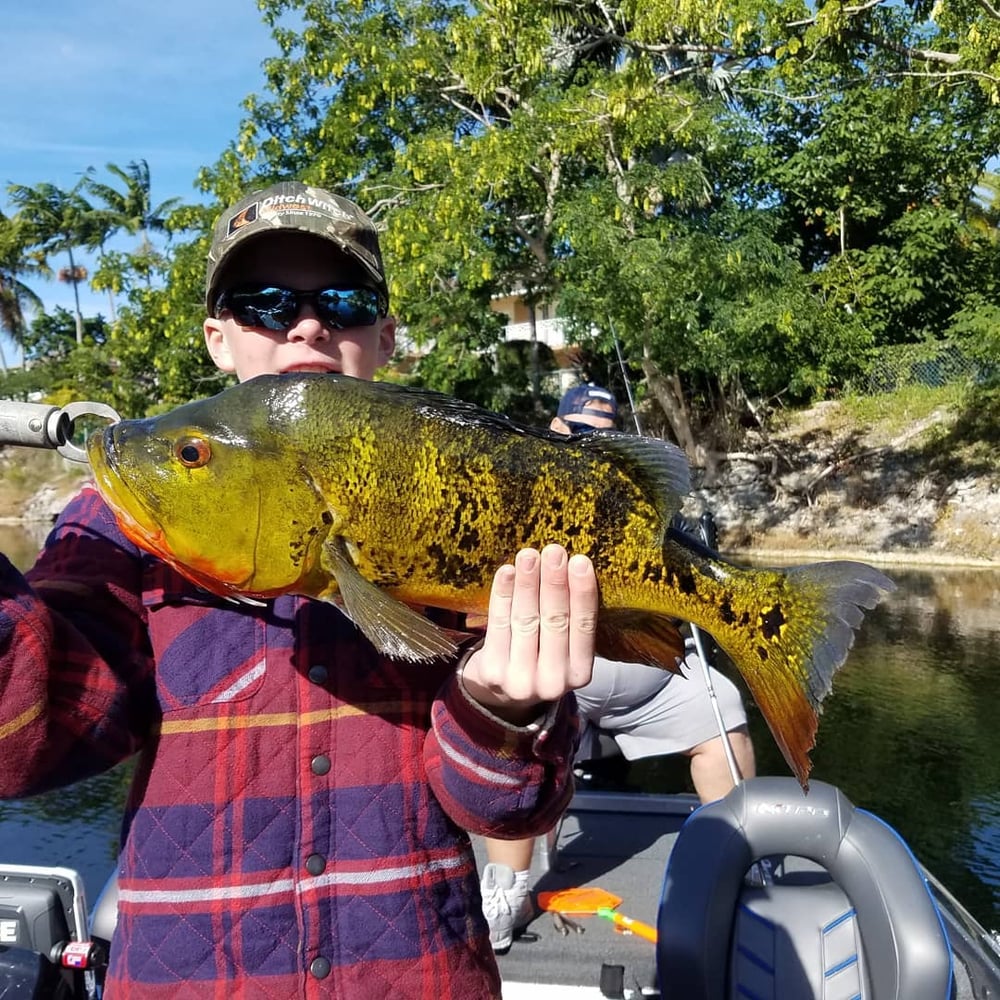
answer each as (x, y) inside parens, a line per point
(291, 206)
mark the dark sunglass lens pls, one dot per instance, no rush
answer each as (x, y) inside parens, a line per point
(270, 308)
(579, 427)
(348, 307)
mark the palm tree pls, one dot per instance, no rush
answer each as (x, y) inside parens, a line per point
(56, 221)
(133, 208)
(16, 298)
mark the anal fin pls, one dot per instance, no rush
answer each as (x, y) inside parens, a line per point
(640, 637)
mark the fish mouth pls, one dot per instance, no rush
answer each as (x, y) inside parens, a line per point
(134, 517)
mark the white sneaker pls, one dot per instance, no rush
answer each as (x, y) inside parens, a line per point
(507, 904)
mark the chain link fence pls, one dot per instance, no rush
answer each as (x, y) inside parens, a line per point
(932, 364)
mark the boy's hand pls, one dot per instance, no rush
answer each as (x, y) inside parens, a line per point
(540, 633)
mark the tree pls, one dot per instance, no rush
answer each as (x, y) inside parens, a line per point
(131, 210)
(16, 298)
(56, 221)
(749, 195)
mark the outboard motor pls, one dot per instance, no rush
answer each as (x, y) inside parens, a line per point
(855, 919)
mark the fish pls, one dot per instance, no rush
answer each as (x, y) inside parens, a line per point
(389, 500)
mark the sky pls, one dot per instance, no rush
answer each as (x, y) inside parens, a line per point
(111, 81)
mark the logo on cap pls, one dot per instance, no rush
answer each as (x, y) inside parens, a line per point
(243, 218)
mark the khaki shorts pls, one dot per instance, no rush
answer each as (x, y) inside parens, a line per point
(650, 711)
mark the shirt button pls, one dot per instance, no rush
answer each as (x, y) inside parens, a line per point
(321, 764)
(320, 967)
(318, 674)
(315, 864)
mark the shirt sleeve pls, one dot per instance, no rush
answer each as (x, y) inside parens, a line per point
(496, 779)
(76, 671)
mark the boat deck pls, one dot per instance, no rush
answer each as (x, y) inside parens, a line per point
(616, 842)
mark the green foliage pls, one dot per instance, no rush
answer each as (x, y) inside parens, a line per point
(751, 197)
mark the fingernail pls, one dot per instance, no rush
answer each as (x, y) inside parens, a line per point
(554, 555)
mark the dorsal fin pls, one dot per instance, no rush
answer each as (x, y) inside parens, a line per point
(660, 468)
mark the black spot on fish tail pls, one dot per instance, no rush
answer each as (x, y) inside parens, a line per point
(327, 517)
(762, 653)
(772, 621)
(686, 583)
(653, 573)
(726, 610)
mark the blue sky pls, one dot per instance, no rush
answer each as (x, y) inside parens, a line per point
(110, 81)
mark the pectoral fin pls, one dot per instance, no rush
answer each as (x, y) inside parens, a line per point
(392, 628)
(640, 637)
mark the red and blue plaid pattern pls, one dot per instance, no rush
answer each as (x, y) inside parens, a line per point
(296, 826)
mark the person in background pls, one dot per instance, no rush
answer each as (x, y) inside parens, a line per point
(649, 712)
(296, 824)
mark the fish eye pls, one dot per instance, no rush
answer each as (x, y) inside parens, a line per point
(193, 452)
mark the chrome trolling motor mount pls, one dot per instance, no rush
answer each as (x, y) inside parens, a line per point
(41, 425)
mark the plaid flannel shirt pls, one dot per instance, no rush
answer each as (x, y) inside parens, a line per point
(296, 826)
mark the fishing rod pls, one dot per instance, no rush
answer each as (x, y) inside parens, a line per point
(734, 770)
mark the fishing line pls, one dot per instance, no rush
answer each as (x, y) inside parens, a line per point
(628, 384)
(734, 771)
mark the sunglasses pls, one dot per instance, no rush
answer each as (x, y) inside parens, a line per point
(579, 427)
(275, 308)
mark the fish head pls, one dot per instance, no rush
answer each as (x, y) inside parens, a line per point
(215, 492)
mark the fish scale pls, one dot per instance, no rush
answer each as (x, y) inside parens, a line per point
(387, 499)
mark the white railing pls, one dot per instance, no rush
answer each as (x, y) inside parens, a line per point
(548, 331)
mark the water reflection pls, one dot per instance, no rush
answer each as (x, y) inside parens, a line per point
(907, 733)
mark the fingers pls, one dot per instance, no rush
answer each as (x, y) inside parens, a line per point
(540, 630)
(584, 603)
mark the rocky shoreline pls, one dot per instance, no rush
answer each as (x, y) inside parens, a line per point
(919, 521)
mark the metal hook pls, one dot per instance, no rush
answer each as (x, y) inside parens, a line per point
(71, 412)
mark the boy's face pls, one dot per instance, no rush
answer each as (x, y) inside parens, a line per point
(302, 263)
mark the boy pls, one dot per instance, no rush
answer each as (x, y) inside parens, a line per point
(295, 823)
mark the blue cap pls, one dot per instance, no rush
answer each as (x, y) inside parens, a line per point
(579, 398)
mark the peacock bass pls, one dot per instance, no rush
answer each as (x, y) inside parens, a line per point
(386, 499)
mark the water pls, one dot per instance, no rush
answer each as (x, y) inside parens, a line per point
(909, 733)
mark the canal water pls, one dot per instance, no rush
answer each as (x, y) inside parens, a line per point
(909, 732)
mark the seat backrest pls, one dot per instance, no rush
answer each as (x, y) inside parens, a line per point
(104, 916)
(874, 895)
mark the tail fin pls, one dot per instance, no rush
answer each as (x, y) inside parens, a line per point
(803, 632)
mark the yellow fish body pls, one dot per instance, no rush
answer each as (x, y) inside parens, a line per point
(383, 498)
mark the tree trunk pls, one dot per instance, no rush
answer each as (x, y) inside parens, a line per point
(536, 380)
(76, 297)
(669, 393)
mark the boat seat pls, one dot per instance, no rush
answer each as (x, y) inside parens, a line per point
(855, 921)
(104, 916)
